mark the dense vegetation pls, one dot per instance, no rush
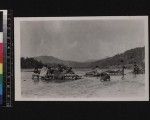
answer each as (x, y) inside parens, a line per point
(127, 58)
(30, 63)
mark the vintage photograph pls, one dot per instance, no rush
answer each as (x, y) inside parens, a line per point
(81, 58)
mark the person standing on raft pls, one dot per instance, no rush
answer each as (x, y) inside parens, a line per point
(122, 70)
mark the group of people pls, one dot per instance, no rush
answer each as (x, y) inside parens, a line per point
(105, 76)
(63, 69)
(47, 71)
(136, 70)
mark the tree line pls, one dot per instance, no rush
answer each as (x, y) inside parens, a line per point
(30, 63)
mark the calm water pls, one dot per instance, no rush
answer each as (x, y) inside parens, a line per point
(86, 87)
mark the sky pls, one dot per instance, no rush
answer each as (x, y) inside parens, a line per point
(80, 40)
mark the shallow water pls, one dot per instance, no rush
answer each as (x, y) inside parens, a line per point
(87, 87)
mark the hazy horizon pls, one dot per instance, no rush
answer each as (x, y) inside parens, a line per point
(76, 40)
(88, 60)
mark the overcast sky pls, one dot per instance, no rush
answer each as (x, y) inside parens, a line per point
(80, 40)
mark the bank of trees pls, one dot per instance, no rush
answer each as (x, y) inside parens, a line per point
(30, 63)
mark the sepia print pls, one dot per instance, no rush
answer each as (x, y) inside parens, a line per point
(81, 58)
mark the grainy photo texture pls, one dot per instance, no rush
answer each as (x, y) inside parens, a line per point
(81, 58)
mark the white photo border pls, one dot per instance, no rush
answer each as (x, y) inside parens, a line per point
(17, 21)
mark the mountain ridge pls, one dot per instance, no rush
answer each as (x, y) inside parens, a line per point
(127, 58)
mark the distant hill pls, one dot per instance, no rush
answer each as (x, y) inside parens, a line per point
(127, 58)
(53, 60)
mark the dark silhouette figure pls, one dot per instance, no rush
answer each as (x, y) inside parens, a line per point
(122, 72)
(35, 73)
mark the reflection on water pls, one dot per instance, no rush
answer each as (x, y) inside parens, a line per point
(84, 87)
(36, 81)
